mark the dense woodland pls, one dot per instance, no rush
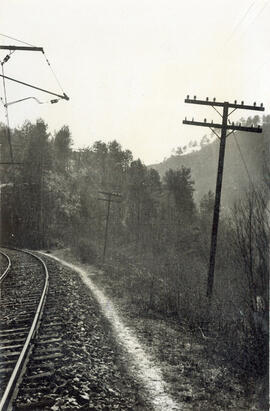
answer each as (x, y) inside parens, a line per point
(159, 229)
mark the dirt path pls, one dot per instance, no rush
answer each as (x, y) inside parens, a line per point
(142, 366)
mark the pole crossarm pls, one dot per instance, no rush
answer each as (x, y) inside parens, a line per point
(228, 127)
(24, 48)
(221, 104)
(64, 96)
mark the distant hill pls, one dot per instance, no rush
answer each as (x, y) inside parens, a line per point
(203, 164)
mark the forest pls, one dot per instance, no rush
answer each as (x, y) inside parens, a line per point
(159, 228)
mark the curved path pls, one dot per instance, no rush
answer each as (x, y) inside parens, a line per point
(142, 365)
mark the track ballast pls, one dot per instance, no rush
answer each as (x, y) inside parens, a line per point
(74, 361)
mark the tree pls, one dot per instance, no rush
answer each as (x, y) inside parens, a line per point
(252, 234)
(179, 184)
(207, 204)
(29, 194)
(204, 141)
(62, 147)
(179, 151)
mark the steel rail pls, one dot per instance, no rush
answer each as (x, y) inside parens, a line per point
(2, 276)
(17, 372)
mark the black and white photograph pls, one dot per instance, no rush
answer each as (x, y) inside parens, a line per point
(134, 205)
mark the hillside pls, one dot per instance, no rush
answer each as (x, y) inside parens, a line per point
(203, 164)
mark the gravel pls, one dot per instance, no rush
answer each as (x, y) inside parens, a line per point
(92, 372)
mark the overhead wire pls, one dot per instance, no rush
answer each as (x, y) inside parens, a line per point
(45, 56)
(20, 41)
(226, 42)
(262, 9)
(235, 29)
(56, 78)
(255, 18)
(239, 24)
(251, 184)
(235, 138)
(243, 159)
(5, 92)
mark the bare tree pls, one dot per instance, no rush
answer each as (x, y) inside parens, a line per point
(252, 228)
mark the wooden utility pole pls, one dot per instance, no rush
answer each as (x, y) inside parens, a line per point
(110, 196)
(223, 127)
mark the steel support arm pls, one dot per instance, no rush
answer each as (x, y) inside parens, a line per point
(64, 96)
(24, 48)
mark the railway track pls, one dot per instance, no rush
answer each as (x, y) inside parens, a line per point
(68, 358)
(7, 267)
(24, 285)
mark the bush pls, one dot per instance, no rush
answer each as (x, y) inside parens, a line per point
(85, 251)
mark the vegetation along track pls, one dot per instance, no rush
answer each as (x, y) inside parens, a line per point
(24, 284)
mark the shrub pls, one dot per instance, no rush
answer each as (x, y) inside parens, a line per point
(85, 251)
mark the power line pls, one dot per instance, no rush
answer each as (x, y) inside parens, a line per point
(49, 64)
(239, 23)
(243, 159)
(242, 19)
(224, 127)
(247, 171)
(12, 49)
(257, 15)
(46, 58)
(32, 48)
(13, 38)
(260, 12)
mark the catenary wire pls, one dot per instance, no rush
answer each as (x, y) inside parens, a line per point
(239, 23)
(49, 64)
(13, 38)
(4, 87)
(235, 29)
(46, 58)
(255, 18)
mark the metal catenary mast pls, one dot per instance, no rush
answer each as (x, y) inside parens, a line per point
(11, 50)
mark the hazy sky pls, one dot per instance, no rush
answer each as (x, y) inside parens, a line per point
(127, 65)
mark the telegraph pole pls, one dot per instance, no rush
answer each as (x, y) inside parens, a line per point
(223, 136)
(110, 197)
